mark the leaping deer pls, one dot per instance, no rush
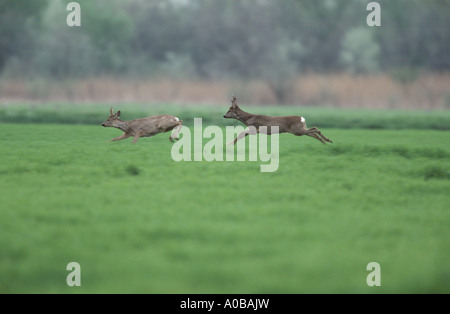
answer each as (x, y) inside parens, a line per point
(144, 127)
(289, 124)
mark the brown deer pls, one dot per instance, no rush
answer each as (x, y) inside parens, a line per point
(290, 124)
(144, 127)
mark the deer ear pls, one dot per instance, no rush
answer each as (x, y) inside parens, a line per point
(117, 115)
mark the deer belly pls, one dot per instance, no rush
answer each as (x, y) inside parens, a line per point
(148, 134)
(155, 131)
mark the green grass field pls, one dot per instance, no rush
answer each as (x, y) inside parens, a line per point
(138, 222)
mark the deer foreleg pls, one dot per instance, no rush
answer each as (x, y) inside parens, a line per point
(136, 138)
(122, 137)
(249, 131)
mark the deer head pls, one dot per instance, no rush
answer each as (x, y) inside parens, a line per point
(112, 119)
(233, 112)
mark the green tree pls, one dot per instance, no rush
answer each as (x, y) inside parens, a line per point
(62, 51)
(17, 18)
(360, 51)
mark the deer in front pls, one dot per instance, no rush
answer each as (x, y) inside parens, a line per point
(145, 127)
(289, 124)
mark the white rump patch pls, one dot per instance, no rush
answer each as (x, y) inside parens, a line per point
(302, 120)
(176, 119)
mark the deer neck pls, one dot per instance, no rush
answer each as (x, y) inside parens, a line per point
(243, 116)
(122, 125)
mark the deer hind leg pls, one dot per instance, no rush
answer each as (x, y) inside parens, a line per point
(122, 137)
(314, 134)
(174, 135)
(308, 132)
(316, 130)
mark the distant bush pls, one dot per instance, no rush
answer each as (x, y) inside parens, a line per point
(405, 74)
(436, 173)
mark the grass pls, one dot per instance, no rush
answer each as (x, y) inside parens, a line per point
(321, 116)
(136, 221)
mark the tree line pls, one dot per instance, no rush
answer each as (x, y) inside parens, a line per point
(271, 40)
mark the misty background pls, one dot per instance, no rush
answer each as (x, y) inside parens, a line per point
(309, 52)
